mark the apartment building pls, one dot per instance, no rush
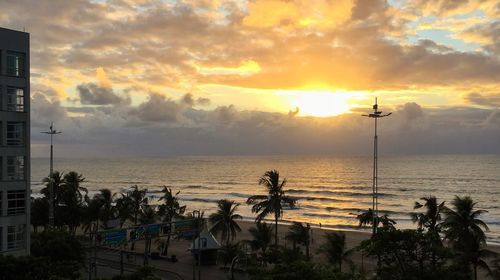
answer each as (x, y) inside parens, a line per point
(14, 143)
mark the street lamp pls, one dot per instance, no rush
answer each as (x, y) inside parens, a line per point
(51, 132)
(375, 115)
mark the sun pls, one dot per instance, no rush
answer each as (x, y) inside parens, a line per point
(320, 103)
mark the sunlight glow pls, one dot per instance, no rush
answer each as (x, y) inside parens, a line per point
(320, 103)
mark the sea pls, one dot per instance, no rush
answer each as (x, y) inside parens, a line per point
(331, 190)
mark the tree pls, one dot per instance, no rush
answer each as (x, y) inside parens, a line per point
(124, 209)
(169, 210)
(71, 200)
(39, 212)
(300, 234)
(147, 215)
(430, 218)
(465, 231)
(139, 199)
(224, 220)
(408, 254)
(299, 270)
(106, 210)
(228, 252)
(432, 215)
(90, 213)
(262, 235)
(65, 253)
(335, 249)
(273, 202)
(57, 179)
(366, 218)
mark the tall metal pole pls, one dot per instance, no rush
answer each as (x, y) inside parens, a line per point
(376, 115)
(51, 132)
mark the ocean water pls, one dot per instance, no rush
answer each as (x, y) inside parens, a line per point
(330, 190)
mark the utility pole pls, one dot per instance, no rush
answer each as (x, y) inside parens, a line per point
(375, 115)
(51, 132)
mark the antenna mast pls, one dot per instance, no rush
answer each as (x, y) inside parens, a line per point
(375, 115)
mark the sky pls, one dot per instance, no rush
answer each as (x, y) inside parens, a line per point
(131, 78)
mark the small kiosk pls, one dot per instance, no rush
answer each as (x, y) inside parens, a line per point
(209, 247)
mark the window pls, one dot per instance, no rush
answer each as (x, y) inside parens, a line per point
(15, 237)
(15, 99)
(15, 133)
(16, 202)
(15, 64)
(1, 210)
(15, 168)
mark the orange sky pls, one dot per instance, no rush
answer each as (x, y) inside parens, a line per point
(126, 63)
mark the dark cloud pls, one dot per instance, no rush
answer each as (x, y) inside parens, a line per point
(157, 108)
(225, 114)
(165, 127)
(92, 94)
(490, 100)
(411, 111)
(203, 101)
(488, 34)
(44, 111)
(189, 100)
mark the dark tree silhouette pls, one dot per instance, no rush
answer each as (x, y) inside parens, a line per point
(335, 249)
(465, 231)
(223, 221)
(273, 202)
(168, 210)
(300, 234)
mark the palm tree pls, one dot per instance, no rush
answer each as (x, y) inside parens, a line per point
(147, 216)
(71, 182)
(169, 210)
(224, 220)
(463, 228)
(106, 210)
(300, 234)
(71, 200)
(335, 249)
(432, 215)
(262, 235)
(273, 202)
(124, 209)
(57, 179)
(90, 214)
(139, 199)
(495, 273)
(366, 218)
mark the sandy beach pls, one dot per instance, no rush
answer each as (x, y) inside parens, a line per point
(184, 266)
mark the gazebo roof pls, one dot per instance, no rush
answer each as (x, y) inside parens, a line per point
(207, 241)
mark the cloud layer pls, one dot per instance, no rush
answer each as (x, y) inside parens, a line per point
(200, 77)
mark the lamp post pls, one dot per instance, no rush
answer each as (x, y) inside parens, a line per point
(51, 132)
(375, 115)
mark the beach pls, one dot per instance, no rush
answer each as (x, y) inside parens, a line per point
(331, 190)
(184, 266)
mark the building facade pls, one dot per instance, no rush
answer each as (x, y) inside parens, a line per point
(14, 143)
